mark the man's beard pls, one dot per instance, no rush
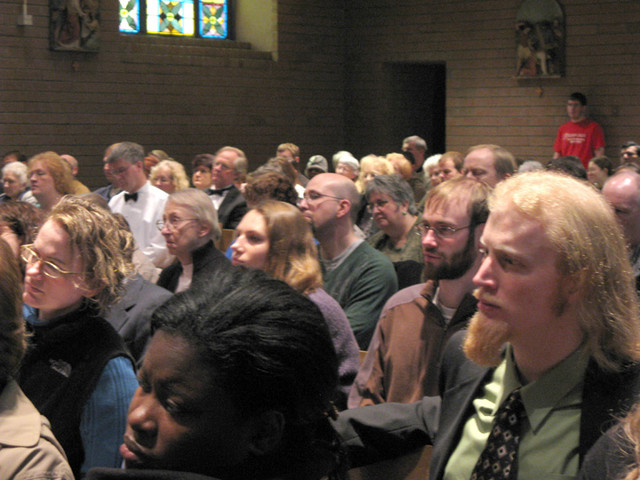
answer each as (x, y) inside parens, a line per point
(456, 266)
(485, 339)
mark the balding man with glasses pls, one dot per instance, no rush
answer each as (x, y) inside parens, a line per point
(356, 275)
(404, 355)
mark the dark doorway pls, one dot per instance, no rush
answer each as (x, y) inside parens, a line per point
(416, 104)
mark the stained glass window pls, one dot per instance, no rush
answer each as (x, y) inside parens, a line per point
(202, 18)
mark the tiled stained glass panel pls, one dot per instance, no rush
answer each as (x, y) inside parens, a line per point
(176, 17)
(170, 17)
(213, 19)
(130, 16)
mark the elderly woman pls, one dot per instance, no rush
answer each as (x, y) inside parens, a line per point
(50, 178)
(236, 388)
(347, 165)
(276, 238)
(16, 184)
(77, 371)
(394, 212)
(190, 226)
(169, 176)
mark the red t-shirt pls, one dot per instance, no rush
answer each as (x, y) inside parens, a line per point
(580, 139)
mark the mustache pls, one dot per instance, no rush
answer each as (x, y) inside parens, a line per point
(484, 297)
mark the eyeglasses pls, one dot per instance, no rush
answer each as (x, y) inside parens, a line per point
(313, 196)
(223, 166)
(440, 231)
(51, 270)
(173, 223)
(378, 203)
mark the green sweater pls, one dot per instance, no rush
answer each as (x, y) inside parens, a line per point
(361, 284)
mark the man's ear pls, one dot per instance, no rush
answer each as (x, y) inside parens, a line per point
(266, 432)
(344, 208)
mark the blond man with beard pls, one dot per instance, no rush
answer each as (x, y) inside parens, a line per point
(558, 321)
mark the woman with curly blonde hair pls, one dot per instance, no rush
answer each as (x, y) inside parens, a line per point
(275, 237)
(169, 175)
(77, 371)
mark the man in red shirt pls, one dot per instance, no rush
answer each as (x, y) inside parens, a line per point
(580, 136)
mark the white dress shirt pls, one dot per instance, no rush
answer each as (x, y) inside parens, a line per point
(142, 216)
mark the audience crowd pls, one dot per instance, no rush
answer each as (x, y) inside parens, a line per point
(305, 318)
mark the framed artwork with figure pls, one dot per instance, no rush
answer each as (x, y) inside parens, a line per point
(74, 25)
(540, 39)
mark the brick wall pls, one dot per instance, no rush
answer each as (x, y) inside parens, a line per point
(326, 90)
(182, 95)
(485, 103)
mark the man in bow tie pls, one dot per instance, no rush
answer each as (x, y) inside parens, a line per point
(229, 164)
(139, 202)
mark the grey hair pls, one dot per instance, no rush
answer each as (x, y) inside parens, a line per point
(198, 203)
(417, 141)
(129, 151)
(17, 168)
(394, 186)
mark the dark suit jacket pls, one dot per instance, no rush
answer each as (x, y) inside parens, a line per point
(207, 261)
(381, 431)
(232, 209)
(132, 314)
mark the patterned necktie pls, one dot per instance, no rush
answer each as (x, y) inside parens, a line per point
(499, 459)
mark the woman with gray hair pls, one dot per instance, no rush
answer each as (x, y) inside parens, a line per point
(189, 225)
(16, 184)
(394, 212)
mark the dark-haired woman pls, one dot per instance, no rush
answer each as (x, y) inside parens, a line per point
(235, 389)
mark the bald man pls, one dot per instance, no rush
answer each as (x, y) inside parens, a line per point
(622, 191)
(360, 278)
(78, 186)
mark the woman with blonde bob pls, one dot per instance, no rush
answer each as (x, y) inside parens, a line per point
(275, 237)
(169, 176)
(50, 178)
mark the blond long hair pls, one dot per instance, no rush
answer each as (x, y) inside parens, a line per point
(581, 226)
(292, 256)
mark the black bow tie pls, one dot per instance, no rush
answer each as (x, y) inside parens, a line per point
(219, 191)
(131, 196)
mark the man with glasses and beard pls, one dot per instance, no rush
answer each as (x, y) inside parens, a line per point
(404, 355)
(551, 358)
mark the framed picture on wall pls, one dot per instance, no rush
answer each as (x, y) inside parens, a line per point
(540, 39)
(74, 25)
